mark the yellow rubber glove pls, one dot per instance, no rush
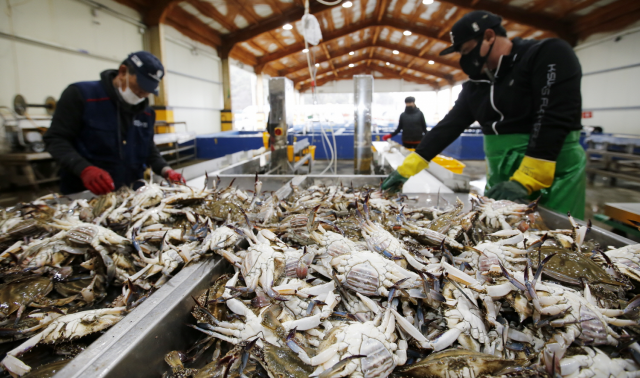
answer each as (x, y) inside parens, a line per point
(412, 165)
(535, 174)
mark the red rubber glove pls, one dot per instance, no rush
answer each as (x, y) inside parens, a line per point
(97, 180)
(174, 176)
(386, 137)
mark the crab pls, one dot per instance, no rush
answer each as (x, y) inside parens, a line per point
(81, 233)
(237, 331)
(63, 328)
(263, 261)
(334, 244)
(627, 260)
(168, 259)
(590, 362)
(367, 273)
(495, 213)
(357, 349)
(458, 363)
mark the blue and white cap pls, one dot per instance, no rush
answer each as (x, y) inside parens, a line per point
(149, 70)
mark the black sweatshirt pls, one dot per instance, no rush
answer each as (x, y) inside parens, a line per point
(412, 125)
(536, 91)
(67, 124)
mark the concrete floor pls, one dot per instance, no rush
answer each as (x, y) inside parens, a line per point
(598, 193)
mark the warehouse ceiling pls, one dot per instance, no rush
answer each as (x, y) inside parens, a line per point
(387, 38)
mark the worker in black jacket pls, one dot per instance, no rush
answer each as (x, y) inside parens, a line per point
(412, 125)
(102, 131)
(526, 96)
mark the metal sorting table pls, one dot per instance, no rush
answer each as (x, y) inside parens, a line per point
(617, 157)
(136, 346)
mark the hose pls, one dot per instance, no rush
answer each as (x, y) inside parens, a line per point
(333, 162)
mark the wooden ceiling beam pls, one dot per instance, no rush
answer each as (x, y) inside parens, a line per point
(381, 9)
(367, 45)
(158, 13)
(244, 56)
(345, 75)
(356, 27)
(521, 16)
(186, 22)
(326, 53)
(270, 23)
(539, 5)
(610, 17)
(399, 75)
(577, 7)
(395, 61)
(391, 72)
(210, 11)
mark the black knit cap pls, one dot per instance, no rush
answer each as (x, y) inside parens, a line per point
(470, 26)
(409, 99)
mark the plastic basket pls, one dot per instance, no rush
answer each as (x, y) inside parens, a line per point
(449, 163)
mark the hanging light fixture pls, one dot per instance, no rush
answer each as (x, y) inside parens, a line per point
(347, 4)
(406, 32)
(432, 62)
(351, 53)
(396, 52)
(287, 27)
(305, 50)
(351, 65)
(317, 64)
(427, 2)
(388, 63)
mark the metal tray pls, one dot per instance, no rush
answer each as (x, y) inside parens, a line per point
(136, 346)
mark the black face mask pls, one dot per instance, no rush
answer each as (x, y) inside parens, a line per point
(472, 63)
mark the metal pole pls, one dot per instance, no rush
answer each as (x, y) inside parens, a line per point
(280, 119)
(363, 96)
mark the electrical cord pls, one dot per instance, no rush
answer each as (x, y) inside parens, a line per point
(333, 150)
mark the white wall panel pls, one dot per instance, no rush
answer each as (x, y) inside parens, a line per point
(193, 82)
(60, 30)
(198, 120)
(611, 78)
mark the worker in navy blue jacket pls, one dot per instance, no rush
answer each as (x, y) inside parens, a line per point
(102, 131)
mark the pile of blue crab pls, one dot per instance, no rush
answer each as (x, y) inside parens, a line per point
(334, 281)
(72, 268)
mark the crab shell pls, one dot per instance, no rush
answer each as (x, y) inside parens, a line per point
(458, 363)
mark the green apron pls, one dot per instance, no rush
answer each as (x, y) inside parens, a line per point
(567, 193)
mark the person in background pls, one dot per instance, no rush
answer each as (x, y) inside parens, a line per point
(412, 125)
(102, 131)
(526, 96)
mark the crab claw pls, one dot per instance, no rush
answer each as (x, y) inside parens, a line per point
(632, 307)
(330, 372)
(311, 222)
(394, 288)
(303, 264)
(541, 265)
(513, 281)
(313, 304)
(462, 277)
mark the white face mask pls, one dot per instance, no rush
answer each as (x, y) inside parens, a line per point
(128, 96)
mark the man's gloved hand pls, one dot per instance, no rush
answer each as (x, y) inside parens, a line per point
(394, 182)
(173, 176)
(535, 174)
(386, 137)
(508, 190)
(411, 166)
(97, 180)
